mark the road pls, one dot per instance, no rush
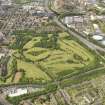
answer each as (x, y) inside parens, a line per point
(22, 86)
(86, 42)
(66, 96)
(3, 101)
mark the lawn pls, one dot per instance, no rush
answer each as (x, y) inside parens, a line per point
(32, 71)
(31, 43)
(64, 59)
(36, 58)
(70, 57)
(51, 56)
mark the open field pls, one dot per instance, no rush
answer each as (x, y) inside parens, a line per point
(58, 61)
(46, 57)
(31, 70)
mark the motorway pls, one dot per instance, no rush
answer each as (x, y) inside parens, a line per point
(86, 42)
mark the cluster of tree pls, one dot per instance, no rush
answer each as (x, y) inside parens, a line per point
(3, 65)
(32, 80)
(13, 65)
(20, 41)
(48, 42)
(23, 32)
(21, 38)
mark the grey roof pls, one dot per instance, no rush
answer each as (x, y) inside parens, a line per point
(2, 36)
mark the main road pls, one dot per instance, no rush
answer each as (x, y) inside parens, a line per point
(89, 44)
(86, 42)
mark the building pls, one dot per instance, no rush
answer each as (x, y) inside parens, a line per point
(1, 37)
(17, 92)
(5, 2)
(2, 55)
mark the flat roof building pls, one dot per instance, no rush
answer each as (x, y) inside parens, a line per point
(17, 92)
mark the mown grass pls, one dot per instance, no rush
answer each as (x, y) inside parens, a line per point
(68, 58)
(52, 56)
(32, 71)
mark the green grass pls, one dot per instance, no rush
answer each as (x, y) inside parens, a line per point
(31, 43)
(69, 58)
(36, 58)
(82, 52)
(9, 80)
(9, 66)
(42, 61)
(32, 71)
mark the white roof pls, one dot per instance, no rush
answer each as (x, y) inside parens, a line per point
(1, 55)
(1, 34)
(92, 17)
(95, 26)
(97, 37)
(100, 17)
(17, 92)
(68, 25)
(26, 7)
(87, 33)
(99, 7)
(103, 42)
